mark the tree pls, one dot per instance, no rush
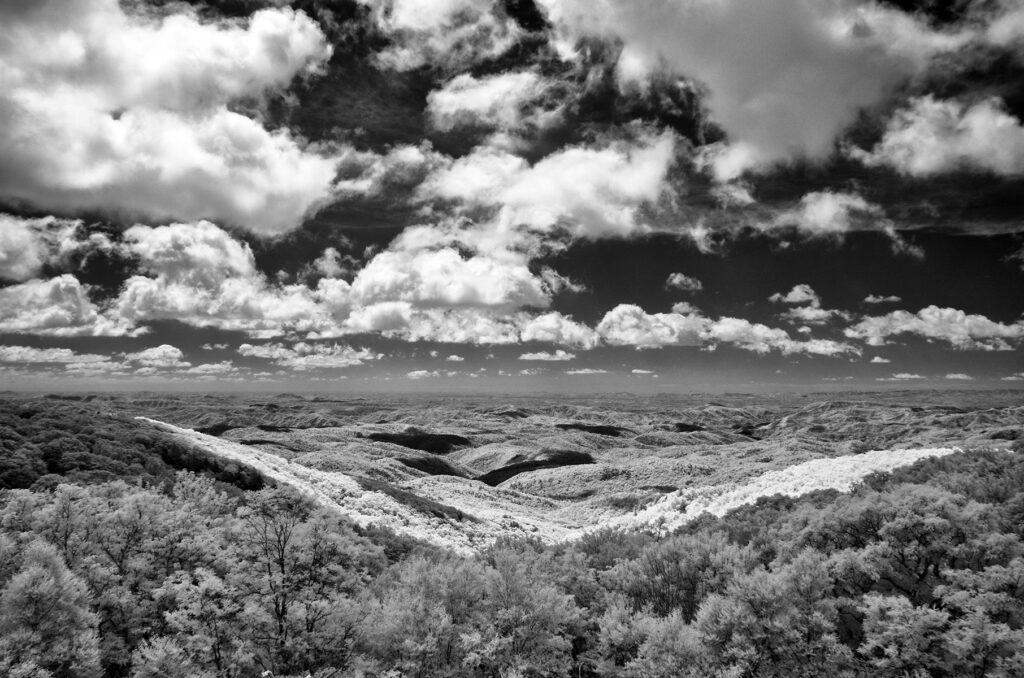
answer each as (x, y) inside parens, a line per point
(775, 623)
(298, 570)
(677, 574)
(164, 658)
(528, 623)
(901, 639)
(205, 615)
(45, 620)
(427, 607)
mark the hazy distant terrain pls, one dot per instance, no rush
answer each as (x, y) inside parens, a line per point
(463, 471)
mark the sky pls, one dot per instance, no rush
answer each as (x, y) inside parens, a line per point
(511, 195)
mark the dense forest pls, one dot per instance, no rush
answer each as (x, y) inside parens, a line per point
(115, 562)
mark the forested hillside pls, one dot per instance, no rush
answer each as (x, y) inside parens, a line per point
(916, 572)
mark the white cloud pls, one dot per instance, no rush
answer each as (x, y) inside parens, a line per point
(506, 101)
(130, 113)
(304, 356)
(28, 354)
(782, 78)
(58, 307)
(955, 327)
(959, 376)
(452, 34)
(544, 355)
(97, 368)
(555, 328)
(224, 367)
(827, 213)
(1019, 376)
(162, 356)
(423, 374)
(443, 277)
(800, 294)
(26, 245)
(811, 313)
(630, 325)
(396, 172)
(762, 339)
(590, 192)
(200, 275)
(879, 360)
(329, 264)
(455, 358)
(878, 299)
(932, 136)
(901, 376)
(586, 370)
(684, 283)
(460, 326)
(641, 372)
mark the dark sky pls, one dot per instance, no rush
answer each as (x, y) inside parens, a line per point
(528, 195)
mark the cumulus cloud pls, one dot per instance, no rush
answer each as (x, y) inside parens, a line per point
(932, 136)
(26, 245)
(763, 339)
(57, 307)
(443, 277)
(810, 311)
(959, 329)
(453, 358)
(224, 367)
(800, 294)
(464, 325)
(200, 275)
(28, 354)
(1018, 376)
(782, 78)
(129, 112)
(879, 360)
(162, 356)
(959, 376)
(304, 356)
(545, 355)
(452, 34)
(831, 214)
(641, 372)
(586, 370)
(591, 192)
(555, 328)
(828, 213)
(683, 283)
(630, 325)
(506, 101)
(901, 376)
(391, 175)
(422, 374)
(331, 264)
(460, 326)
